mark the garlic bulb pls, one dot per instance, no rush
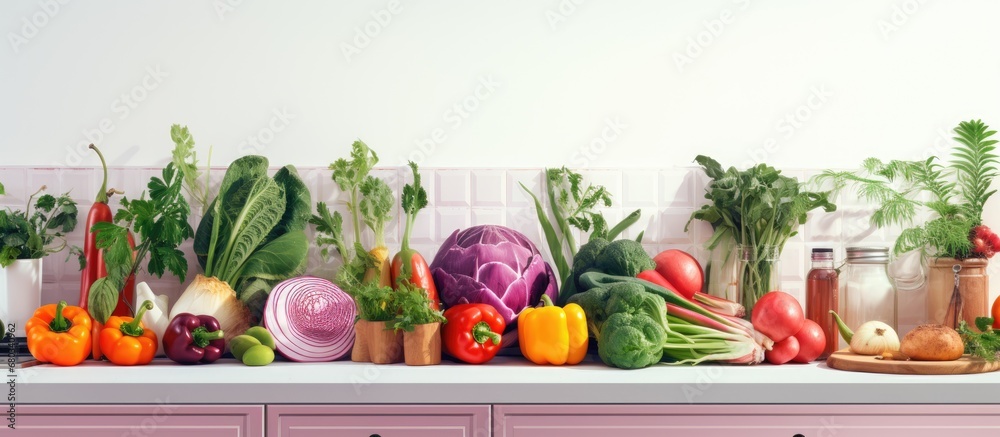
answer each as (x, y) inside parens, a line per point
(873, 338)
(157, 318)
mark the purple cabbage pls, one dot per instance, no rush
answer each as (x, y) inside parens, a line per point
(493, 265)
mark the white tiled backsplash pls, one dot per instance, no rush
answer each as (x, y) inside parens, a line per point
(459, 198)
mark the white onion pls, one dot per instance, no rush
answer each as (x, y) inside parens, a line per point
(311, 319)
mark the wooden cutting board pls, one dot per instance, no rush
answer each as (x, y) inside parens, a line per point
(846, 360)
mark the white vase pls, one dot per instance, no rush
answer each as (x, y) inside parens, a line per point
(20, 292)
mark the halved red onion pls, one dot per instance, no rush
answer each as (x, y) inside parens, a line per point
(311, 319)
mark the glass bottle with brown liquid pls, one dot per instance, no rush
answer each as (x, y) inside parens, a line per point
(822, 296)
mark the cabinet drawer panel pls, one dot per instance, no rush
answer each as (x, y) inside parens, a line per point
(378, 420)
(140, 420)
(746, 421)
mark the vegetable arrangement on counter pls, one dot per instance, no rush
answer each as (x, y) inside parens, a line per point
(488, 287)
(497, 287)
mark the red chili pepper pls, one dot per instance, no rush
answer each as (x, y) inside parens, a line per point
(473, 332)
(95, 268)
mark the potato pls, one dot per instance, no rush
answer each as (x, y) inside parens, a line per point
(932, 343)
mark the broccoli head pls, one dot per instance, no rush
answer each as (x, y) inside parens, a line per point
(624, 258)
(631, 341)
(594, 303)
(586, 257)
(632, 298)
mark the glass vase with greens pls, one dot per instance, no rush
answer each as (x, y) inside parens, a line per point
(753, 213)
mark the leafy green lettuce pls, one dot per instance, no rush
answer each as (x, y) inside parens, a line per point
(253, 234)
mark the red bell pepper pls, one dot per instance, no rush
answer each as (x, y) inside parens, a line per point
(473, 332)
(95, 267)
(408, 265)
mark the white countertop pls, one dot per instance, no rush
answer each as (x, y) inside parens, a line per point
(502, 381)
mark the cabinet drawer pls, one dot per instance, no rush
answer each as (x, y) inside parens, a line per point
(378, 420)
(746, 421)
(140, 420)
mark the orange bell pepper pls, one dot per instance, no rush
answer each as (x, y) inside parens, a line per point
(125, 342)
(59, 334)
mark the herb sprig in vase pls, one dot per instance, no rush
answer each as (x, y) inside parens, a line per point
(753, 213)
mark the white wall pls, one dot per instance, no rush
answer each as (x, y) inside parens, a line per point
(893, 75)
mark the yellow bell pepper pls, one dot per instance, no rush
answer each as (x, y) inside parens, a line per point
(553, 335)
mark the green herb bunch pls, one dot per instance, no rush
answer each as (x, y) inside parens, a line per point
(160, 223)
(758, 209)
(415, 308)
(376, 206)
(36, 232)
(956, 193)
(574, 205)
(186, 161)
(376, 303)
(352, 177)
(984, 344)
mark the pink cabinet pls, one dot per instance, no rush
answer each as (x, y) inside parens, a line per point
(745, 421)
(139, 420)
(507, 420)
(378, 420)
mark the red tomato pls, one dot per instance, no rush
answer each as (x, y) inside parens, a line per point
(812, 341)
(782, 351)
(682, 270)
(777, 315)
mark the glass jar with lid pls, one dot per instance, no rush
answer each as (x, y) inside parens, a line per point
(868, 293)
